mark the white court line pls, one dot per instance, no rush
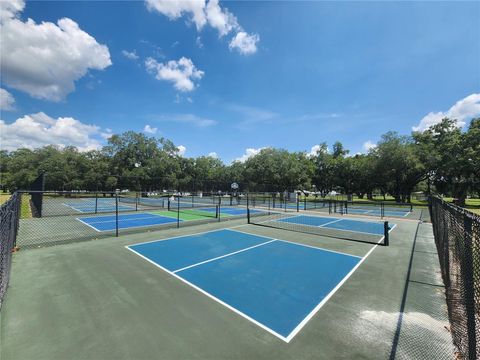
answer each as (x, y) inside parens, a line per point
(330, 222)
(297, 329)
(176, 237)
(273, 332)
(298, 244)
(119, 220)
(93, 227)
(326, 298)
(224, 256)
(345, 219)
(129, 227)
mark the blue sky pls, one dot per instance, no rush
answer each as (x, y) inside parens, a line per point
(298, 74)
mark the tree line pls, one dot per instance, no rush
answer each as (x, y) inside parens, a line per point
(442, 159)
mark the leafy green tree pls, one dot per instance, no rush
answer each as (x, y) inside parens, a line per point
(398, 165)
(451, 156)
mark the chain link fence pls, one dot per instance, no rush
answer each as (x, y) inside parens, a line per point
(59, 217)
(9, 220)
(457, 237)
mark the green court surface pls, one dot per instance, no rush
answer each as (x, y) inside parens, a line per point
(98, 300)
(185, 215)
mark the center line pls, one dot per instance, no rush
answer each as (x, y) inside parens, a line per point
(330, 222)
(220, 257)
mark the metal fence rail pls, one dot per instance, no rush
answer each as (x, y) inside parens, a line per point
(60, 217)
(9, 220)
(457, 237)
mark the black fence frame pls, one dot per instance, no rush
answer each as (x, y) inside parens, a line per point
(457, 237)
(9, 222)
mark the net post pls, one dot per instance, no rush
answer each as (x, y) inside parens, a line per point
(304, 203)
(382, 210)
(96, 202)
(345, 208)
(329, 206)
(248, 215)
(136, 201)
(217, 212)
(116, 214)
(269, 204)
(386, 228)
(298, 204)
(285, 204)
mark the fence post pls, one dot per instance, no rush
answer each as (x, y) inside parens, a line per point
(116, 214)
(469, 288)
(96, 202)
(178, 212)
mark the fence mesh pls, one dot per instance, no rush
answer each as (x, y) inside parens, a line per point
(457, 237)
(9, 220)
(78, 216)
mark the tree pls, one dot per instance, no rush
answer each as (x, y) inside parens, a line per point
(451, 156)
(398, 166)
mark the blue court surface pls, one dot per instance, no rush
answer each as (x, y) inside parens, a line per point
(276, 284)
(377, 212)
(125, 221)
(360, 226)
(102, 205)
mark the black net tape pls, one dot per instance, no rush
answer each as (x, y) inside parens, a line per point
(457, 237)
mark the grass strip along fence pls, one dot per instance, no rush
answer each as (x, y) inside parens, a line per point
(9, 220)
(457, 237)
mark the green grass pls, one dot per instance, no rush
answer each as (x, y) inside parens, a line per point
(25, 212)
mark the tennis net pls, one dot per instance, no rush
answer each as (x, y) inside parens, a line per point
(142, 201)
(374, 232)
(194, 209)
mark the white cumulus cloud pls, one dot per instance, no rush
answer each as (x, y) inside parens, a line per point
(249, 153)
(368, 145)
(175, 9)
(314, 150)
(213, 154)
(220, 19)
(463, 110)
(202, 13)
(150, 130)
(132, 55)
(181, 150)
(181, 73)
(44, 60)
(37, 130)
(244, 43)
(7, 101)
